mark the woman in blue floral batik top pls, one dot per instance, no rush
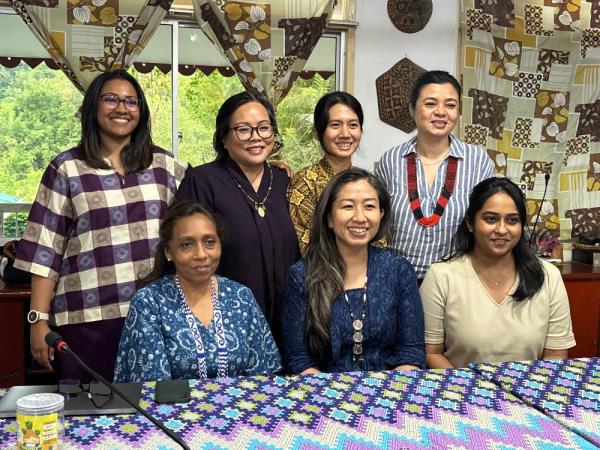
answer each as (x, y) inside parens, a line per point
(186, 322)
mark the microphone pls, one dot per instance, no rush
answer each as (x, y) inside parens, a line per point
(56, 341)
(537, 216)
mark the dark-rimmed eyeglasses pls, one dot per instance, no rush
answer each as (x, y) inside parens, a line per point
(98, 394)
(244, 132)
(112, 101)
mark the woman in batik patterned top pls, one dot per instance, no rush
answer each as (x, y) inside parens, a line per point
(93, 227)
(338, 120)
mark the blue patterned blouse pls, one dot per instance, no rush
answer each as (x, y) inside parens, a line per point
(157, 343)
(393, 330)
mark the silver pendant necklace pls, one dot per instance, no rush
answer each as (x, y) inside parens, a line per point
(358, 325)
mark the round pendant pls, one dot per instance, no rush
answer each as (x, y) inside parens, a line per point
(357, 325)
(357, 337)
(357, 349)
(261, 211)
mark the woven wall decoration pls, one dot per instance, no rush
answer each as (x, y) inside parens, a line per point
(409, 16)
(393, 94)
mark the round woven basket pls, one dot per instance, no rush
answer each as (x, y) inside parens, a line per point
(409, 16)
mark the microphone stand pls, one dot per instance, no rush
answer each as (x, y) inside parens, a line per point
(61, 345)
(537, 216)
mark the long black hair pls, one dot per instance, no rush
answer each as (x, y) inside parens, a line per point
(228, 108)
(176, 212)
(325, 268)
(321, 113)
(527, 264)
(137, 155)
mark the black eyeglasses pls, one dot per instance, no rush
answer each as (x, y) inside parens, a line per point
(99, 394)
(112, 102)
(244, 132)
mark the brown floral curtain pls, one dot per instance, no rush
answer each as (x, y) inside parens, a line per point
(88, 37)
(531, 71)
(267, 43)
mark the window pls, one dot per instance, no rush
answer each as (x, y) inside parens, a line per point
(38, 105)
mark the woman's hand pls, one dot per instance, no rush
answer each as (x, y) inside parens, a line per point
(42, 290)
(42, 353)
(310, 371)
(435, 357)
(283, 166)
(407, 367)
(555, 354)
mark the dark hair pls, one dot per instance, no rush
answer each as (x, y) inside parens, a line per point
(432, 77)
(321, 114)
(137, 155)
(228, 108)
(325, 268)
(528, 266)
(176, 212)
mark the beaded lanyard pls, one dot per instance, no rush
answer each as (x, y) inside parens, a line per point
(358, 325)
(222, 357)
(445, 194)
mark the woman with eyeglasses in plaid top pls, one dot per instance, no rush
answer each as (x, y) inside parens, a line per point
(93, 227)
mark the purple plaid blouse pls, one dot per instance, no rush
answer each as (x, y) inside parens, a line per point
(95, 233)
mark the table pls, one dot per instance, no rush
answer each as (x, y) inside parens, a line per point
(582, 282)
(566, 390)
(382, 410)
(14, 304)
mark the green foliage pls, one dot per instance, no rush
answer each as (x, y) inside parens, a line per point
(14, 224)
(200, 97)
(38, 110)
(295, 121)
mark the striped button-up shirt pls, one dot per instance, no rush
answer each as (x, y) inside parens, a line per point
(421, 245)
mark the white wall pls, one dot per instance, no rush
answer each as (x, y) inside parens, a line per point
(380, 45)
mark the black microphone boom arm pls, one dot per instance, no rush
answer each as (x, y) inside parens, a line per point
(55, 341)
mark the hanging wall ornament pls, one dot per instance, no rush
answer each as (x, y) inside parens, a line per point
(393, 94)
(409, 16)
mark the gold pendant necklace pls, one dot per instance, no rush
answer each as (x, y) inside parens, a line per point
(259, 206)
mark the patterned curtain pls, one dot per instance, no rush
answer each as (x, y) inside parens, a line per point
(267, 43)
(88, 37)
(531, 79)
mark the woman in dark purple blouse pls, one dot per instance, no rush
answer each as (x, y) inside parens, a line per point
(248, 196)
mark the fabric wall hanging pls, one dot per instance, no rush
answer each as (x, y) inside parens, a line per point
(531, 70)
(267, 43)
(393, 94)
(409, 16)
(88, 37)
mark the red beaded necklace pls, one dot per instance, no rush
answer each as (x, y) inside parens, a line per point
(413, 190)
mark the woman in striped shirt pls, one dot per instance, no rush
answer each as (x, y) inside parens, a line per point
(430, 177)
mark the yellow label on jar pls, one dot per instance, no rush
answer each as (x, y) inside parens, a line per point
(37, 432)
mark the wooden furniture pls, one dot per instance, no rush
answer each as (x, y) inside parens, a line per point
(583, 287)
(14, 304)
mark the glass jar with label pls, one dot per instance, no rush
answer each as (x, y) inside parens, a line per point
(40, 422)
